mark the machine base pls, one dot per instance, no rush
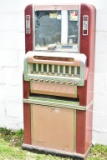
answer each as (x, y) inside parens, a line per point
(43, 150)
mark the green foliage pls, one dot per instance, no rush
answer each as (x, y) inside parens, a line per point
(98, 152)
(15, 138)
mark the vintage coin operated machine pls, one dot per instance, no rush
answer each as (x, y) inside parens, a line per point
(58, 79)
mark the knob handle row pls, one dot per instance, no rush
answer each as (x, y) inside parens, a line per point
(52, 81)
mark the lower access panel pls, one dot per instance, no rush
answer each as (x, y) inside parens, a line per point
(53, 128)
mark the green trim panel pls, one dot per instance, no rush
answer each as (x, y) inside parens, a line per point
(56, 103)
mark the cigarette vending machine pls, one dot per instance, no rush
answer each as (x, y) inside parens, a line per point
(58, 79)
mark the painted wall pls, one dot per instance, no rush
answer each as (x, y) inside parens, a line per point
(12, 45)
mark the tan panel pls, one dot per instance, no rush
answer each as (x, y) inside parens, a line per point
(54, 89)
(53, 127)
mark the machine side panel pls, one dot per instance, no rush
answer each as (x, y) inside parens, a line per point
(29, 36)
(90, 86)
(88, 141)
(27, 124)
(26, 89)
(80, 131)
(83, 130)
(87, 46)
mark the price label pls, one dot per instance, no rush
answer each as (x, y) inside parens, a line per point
(28, 24)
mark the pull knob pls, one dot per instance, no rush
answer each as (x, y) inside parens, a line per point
(75, 83)
(64, 82)
(52, 80)
(36, 79)
(41, 80)
(47, 80)
(70, 82)
(31, 79)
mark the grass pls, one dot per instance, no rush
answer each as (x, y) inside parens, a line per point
(10, 149)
